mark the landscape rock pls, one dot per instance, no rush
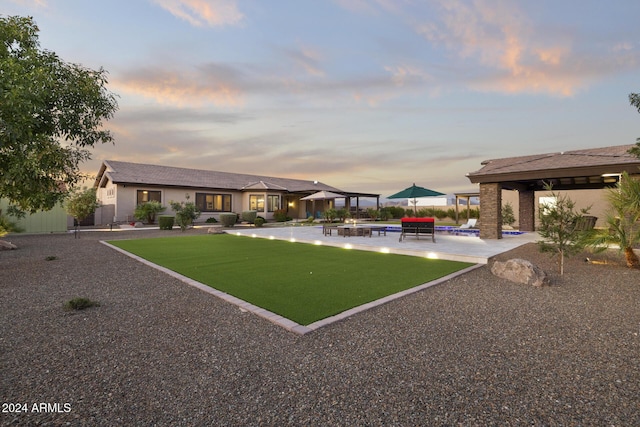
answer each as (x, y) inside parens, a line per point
(139, 225)
(520, 271)
(7, 245)
(215, 230)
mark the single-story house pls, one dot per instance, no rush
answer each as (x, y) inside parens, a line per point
(526, 177)
(123, 185)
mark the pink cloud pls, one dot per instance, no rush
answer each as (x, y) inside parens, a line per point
(200, 13)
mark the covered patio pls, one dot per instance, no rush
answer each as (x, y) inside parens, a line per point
(594, 168)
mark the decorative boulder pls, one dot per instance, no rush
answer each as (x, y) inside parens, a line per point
(519, 271)
(7, 245)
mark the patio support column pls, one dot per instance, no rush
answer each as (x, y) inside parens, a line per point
(491, 210)
(527, 210)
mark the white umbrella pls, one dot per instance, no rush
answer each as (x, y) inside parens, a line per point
(322, 195)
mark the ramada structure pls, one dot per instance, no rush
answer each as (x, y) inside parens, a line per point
(123, 185)
(595, 168)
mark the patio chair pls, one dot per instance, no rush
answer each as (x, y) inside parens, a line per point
(471, 223)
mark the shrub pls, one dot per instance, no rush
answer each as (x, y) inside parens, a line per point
(330, 214)
(249, 216)
(147, 211)
(440, 214)
(623, 220)
(80, 304)
(508, 217)
(228, 219)
(259, 221)
(342, 214)
(7, 226)
(165, 222)
(186, 213)
(373, 213)
(385, 214)
(451, 213)
(397, 212)
(211, 220)
(280, 215)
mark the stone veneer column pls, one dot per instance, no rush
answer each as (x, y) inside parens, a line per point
(491, 211)
(527, 210)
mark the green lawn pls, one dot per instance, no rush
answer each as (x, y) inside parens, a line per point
(301, 282)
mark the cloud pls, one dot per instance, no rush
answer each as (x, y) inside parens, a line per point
(212, 84)
(32, 3)
(308, 59)
(511, 55)
(199, 13)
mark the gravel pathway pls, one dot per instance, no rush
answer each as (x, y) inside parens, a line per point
(476, 350)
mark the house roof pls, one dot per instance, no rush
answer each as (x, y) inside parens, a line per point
(572, 169)
(167, 176)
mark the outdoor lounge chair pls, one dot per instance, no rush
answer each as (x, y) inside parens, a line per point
(471, 223)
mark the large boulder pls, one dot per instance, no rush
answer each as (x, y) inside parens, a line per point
(520, 271)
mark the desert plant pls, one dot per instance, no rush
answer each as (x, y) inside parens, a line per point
(147, 211)
(80, 304)
(166, 222)
(50, 258)
(186, 213)
(558, 228)
(342, 214)
(451, 213)
(249, 216)
(373, 213)
(623, 219)
(440, 214)
(228, 219)
(508, 216)
(329, 215)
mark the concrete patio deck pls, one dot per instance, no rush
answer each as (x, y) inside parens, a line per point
(448, 246)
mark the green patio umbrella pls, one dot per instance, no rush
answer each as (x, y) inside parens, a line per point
(414, 192)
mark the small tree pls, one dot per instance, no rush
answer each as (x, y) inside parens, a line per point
(52, 112)
(81, 204)
(623, 219)
(508, 216)
(558, 228)
(186, 213)
(147, 211)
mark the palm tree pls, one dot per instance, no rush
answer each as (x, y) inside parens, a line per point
(623, 219)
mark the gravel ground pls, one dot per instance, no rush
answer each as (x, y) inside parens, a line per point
(476, 350)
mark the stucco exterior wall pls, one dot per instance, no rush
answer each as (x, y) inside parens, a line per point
(582, 198)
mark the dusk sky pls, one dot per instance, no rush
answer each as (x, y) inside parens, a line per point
(367, 96)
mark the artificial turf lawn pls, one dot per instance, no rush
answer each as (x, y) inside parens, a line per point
(301, 282)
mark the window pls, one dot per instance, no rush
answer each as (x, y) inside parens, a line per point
(207, 202)
(256, 203)
(273, 203)
(145, 196)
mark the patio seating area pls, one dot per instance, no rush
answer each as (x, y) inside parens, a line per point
(465, 247)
